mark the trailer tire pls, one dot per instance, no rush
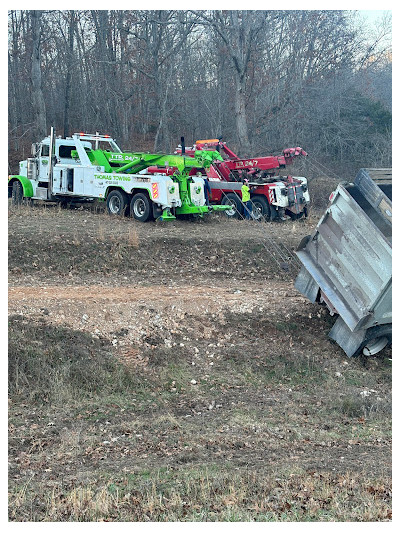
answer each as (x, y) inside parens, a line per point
(376, 339)
(303, 243)
(261, 208)
(295, 216)
(141, 208)
(117, 203)
(234, 201)
(17, 193)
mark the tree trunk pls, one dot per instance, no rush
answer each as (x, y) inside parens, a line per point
(241, 119)
(71, 31)
(39, 107)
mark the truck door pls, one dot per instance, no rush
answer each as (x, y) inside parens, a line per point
(44, 160)
(71, 182)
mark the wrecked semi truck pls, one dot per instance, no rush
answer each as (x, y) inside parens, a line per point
(347, 262)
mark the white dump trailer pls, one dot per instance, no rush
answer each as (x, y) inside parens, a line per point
(347, 262)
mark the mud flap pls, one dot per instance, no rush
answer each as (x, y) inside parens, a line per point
(274, 212)
(349, 341)
(306, 284)
(157, 211)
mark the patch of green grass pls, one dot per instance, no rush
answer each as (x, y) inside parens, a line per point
(176, 376)
(286, 327)
(50, 364)
(256, 248)
(355, 378)
(352, 404)
(360, 429)
(293, 369)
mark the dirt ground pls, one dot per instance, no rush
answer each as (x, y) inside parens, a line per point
(230, 377)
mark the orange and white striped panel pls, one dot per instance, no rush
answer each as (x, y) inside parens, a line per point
(154, 191)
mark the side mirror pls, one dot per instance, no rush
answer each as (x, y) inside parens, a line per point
(34, 149)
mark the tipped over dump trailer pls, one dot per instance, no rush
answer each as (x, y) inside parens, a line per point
(347, 262)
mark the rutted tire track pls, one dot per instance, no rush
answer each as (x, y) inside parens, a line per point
(184, 293)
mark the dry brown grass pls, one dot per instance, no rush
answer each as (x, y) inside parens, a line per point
(206, 495)
(275, 430)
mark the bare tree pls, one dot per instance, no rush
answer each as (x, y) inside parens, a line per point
(161, 33)
(70, 62)
(39, 106)
(264, 80)
(239, 31)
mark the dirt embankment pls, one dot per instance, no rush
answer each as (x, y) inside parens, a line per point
(172, 372)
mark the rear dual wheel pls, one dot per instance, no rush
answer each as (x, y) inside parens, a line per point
(117, 203)
(141, 207)
(260, 207)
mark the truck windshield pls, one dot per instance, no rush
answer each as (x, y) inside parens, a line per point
(45, 150)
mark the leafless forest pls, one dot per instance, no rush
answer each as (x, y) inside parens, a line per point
(263, 80)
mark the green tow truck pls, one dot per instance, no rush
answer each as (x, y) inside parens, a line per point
(86, 167)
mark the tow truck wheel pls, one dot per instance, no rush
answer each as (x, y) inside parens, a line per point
(261, 209)
(141, 208)
(234, 201)
(17, 194)
(117, 203)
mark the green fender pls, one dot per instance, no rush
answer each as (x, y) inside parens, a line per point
(26, 185)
